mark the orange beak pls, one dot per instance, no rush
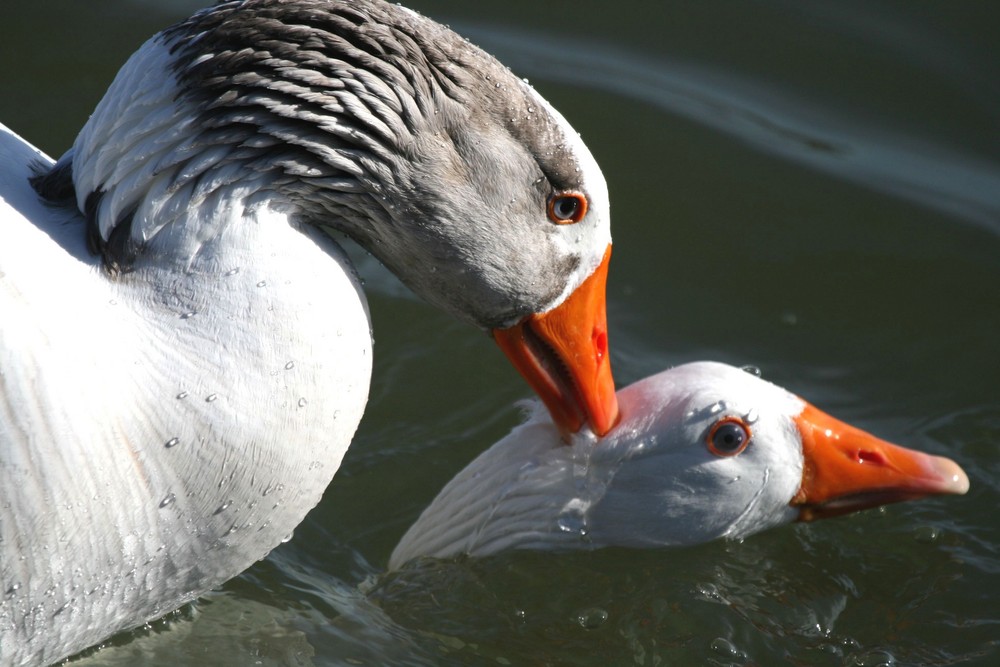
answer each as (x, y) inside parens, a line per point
(563, 354)
(846, 469)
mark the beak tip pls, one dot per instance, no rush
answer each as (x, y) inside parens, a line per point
(954, 480)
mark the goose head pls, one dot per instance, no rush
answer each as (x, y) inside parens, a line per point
(366, 118)
(703, 451)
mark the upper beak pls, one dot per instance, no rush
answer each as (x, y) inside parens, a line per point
(563, 354)
(846, 469)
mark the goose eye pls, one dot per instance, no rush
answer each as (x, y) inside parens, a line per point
(566, 208)
(728, 437)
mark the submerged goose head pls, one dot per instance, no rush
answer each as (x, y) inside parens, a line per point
(703, 451)
(365, 118)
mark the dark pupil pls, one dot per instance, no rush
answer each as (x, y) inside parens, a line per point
(566, 207)
(729, 437)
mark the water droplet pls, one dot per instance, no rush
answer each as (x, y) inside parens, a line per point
(182, 395)
(13, 589)
(717, 407)
(927, 534)
(262, 283)
(288, 537)
(188, 315)
(211, 397)
(112, 302)
(592, 618)
(232, 272)
(572, 519)
(168, 500)
(172, 442)
(223, 507)
(303, 402)
(752, 370)
(290, 365)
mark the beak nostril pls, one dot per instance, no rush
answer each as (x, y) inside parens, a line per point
(867, 456)
(600, 338)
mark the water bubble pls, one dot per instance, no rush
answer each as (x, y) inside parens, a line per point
(172, 442)
(591, 618)
(752, 370)
(262, 283)
(290, 365)
(288, 537)
(303, 402)
(182, 395)
(231, 272)
(211, 398)
(709, 592)
(874, 658)
(927, 534)
(189, 314)
(751, 416)
(223, 507)
(717, 407)
(724, 648)
(168, 500)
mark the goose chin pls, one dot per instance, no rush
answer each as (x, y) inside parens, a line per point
(563, 355)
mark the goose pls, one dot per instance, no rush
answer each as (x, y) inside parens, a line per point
(703, 451)
(185, 348)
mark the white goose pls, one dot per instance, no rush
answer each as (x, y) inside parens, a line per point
(703, 451)
(185, 352)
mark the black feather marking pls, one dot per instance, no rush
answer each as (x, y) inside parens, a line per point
(54, 184)
(118, 251)
(95, 243)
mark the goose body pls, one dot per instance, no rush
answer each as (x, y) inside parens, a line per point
(185, 351)
(703, 451)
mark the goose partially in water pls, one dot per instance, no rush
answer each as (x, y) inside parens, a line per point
(703, 451)
(185, 350)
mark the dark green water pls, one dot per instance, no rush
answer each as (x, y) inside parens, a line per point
(809, 187)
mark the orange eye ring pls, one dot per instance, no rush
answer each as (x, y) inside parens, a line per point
(567, 208)
(728, 437)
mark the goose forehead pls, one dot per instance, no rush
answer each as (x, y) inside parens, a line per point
(683, 401)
